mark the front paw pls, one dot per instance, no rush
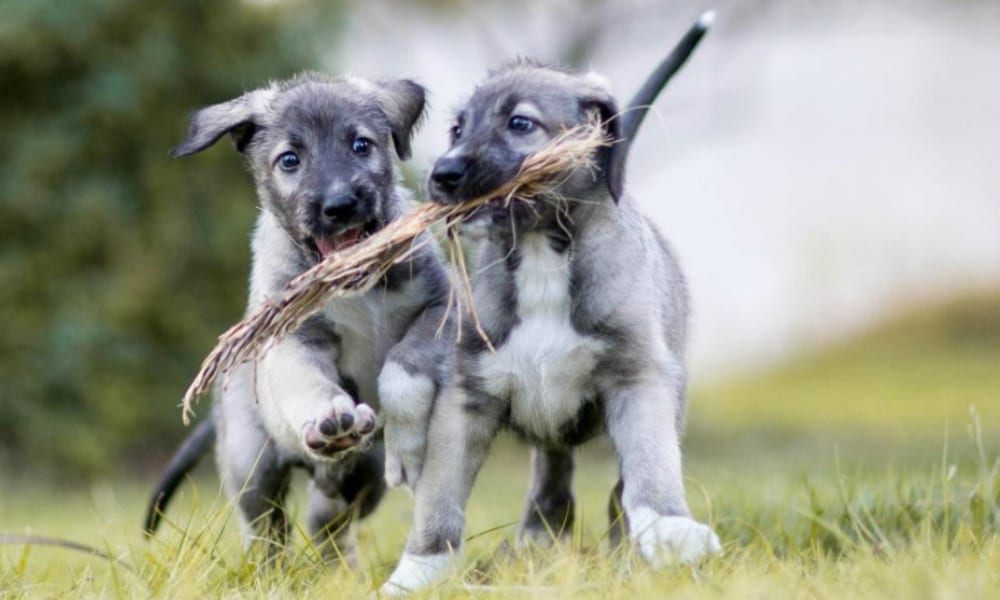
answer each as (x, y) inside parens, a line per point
(666, 541)
(415, 572)
(405, 445)
(337, 428)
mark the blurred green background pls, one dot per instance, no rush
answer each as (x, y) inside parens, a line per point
(119, 265)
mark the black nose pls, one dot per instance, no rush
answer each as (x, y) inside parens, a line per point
(339, 208)
(449, 172)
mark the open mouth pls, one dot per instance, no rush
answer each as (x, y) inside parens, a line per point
(326, 245)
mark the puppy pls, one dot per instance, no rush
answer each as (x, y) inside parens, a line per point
(321, 154)
(587, 310)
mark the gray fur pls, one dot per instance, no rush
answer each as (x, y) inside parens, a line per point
(310, 400)
(587, 309)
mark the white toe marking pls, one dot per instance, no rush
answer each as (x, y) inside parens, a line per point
(669, 541)
(394, 476)
(414, 572)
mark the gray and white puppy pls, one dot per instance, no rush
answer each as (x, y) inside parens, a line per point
(321, 153)
(587, 309)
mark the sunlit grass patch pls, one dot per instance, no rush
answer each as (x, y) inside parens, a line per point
(837, 532)
(902, 502)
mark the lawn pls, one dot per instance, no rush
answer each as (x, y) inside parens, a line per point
(856, 471)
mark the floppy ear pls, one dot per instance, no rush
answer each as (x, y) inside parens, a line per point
(403, 103)
(613, 158)
(238, 117)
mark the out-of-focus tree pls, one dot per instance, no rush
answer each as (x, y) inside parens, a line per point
(119, 265)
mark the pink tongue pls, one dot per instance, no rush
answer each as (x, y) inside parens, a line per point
(327, 246)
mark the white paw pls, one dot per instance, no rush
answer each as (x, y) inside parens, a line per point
(415, 572)
(406, 400)
(340, 426)
(670, 541)
(405, 445)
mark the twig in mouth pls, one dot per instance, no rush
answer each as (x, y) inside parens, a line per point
(359, 268)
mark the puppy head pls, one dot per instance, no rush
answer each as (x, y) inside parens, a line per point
(320, 151)
(516, 112)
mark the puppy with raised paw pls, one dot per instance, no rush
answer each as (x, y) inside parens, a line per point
(322, 153)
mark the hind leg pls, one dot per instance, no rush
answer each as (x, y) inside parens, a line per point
(548, 513)
(253, 473)
(340, 493)
(329, 521)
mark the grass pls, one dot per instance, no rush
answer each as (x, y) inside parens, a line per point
(854, 472)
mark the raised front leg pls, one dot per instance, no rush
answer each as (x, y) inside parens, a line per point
(641, 420)
(548, 512)
(413, 374)
(303, 404)
(462, 428)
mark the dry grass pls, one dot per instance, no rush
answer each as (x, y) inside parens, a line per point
(360, 267)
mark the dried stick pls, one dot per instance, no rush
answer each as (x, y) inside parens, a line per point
(360, 267)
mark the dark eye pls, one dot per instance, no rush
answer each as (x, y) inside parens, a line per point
(361, 145)
(456, 132)
(519, 123)
(289, 161)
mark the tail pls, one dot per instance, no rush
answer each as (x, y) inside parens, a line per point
(183, 461)
(633, 116)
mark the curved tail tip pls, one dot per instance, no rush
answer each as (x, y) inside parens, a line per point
(706, 19)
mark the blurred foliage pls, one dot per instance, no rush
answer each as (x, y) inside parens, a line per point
(119, 265)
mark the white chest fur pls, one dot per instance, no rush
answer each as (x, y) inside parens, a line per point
(360, 349)
(545, 365)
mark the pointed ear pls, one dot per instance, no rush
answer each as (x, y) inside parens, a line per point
(239, 117)
(612, 162)
(403, 102)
